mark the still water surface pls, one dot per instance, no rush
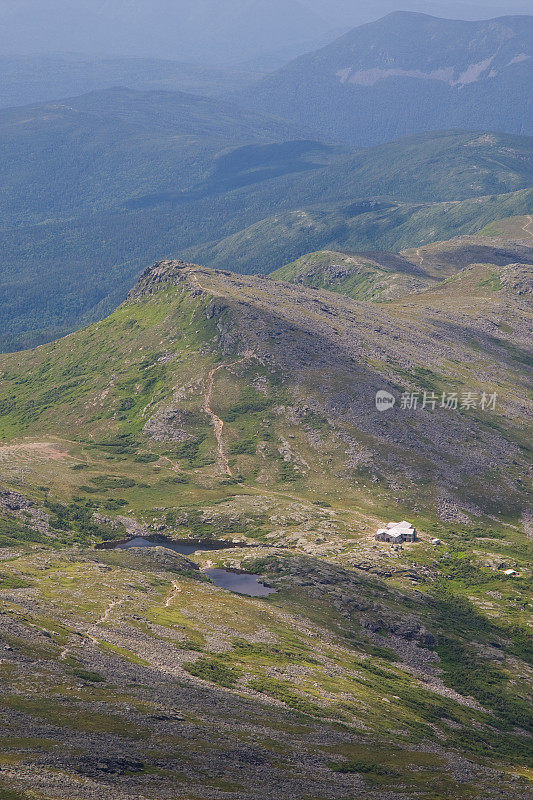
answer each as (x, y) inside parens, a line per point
(139, 541)
(239, 582)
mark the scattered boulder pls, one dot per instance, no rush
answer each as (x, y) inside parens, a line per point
(96, 767)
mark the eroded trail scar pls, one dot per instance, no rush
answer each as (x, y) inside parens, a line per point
(218, 425)
(528, 223)
(174, 593)
(88, 635)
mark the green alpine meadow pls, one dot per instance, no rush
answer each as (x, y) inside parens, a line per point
(265, 402)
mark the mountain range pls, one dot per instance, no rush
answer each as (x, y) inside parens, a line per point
(114, 179)
(96, 186)
(215, 410)
(265, 408)
(41, 78)
(405, 74)
(205, 32)
(341, 12)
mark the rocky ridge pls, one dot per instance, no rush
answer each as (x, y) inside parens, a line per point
(361, 348)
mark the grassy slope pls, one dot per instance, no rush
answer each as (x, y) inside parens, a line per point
(331, 706)
(504, 241)
(322, 646)
(513, 228)
(109, 380)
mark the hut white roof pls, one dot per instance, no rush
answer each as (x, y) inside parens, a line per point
(404, 526)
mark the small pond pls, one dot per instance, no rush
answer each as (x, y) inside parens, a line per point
(240, 582)
(184, 547)
(178, 547)
(233, 581)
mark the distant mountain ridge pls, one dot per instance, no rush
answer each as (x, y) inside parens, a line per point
(382, 276)
(115, 179)
(43, 78)
(409, 73)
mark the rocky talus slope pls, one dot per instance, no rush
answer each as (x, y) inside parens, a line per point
(336, 354)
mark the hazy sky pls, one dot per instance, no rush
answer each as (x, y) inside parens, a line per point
(210, 31)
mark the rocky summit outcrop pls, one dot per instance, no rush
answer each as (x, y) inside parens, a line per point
(157, 276)
(25, 510)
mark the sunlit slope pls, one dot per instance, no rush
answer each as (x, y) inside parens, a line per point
(505, 241)
(362, 276)
(350, 227)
